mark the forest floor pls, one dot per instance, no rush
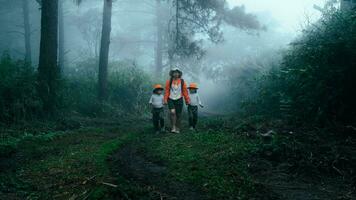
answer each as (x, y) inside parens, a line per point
(107, 159)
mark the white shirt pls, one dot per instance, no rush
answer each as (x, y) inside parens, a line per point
(157, 100)
(176, 91)
(195, 99)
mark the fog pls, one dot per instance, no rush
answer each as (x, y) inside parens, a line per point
(177, 99)
(288, 15)
(133, 37)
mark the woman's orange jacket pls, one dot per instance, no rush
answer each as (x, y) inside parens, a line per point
(184, 89)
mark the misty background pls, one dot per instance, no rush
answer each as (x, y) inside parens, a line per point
(133, 38)
(276, 77)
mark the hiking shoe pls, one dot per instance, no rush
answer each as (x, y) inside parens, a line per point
(175, 131)
(157, 132)
(191, 128)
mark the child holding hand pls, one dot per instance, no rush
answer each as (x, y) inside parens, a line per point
(157, 101)
(193, 106)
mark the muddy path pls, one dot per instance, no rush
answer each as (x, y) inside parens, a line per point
(132, 164)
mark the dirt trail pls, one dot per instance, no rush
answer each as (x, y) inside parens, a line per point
(133, 165)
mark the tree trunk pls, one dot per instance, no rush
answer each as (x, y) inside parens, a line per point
(26, 18)
(159, 42)
(174, 37)
(177, 25)
(104, 50)
(48, 73)
(61, 56)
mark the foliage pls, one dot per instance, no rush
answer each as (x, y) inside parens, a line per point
(19, 98)
(315, 78)
(252, 84)
(318, 72)
(129, 88)
(303, 153)
(204, 17)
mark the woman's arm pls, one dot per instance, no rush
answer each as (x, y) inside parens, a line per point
(185, 94)
(167, 92)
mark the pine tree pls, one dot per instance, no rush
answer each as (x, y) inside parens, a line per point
(48, 72)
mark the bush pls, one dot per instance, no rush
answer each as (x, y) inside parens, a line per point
(18, 96)
(128, 88)
(315, 80)
(318, 73)
(253, 85)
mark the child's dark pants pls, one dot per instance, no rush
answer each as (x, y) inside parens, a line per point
(193, 116)
(157, 118)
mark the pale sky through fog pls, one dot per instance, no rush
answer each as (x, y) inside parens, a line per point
(290, 14)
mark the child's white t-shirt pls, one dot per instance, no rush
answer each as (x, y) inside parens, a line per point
(157, 100)
(194, 99)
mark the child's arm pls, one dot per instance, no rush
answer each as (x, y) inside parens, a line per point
(151, 100)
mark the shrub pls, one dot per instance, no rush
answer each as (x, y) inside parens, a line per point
(128, 88)
(253, 85)
(315, 78)
(318, 73)
(18, 96)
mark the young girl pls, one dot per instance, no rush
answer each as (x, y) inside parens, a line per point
(156, 102)
(193, 106)
(176, 90)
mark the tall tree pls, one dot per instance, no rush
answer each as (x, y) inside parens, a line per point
(203, 17)
(61, 37)
(104, 50)
(48, 72)
(27, 34)
(159, 39)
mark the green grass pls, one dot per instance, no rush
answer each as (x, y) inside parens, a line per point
(212, 161)
(73, 164)
(63, 166)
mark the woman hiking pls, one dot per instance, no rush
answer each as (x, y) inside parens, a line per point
(176, 90)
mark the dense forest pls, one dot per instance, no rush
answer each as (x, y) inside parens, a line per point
(275, 119)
